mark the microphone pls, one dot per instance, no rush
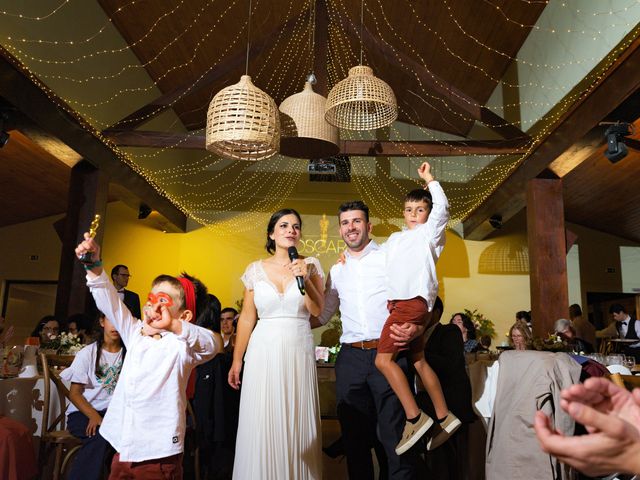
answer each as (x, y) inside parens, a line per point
(293, 255)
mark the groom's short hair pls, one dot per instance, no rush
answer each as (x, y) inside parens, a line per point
(354, 205)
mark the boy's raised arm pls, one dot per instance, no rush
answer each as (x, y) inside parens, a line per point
(104, 293)
(435, 228)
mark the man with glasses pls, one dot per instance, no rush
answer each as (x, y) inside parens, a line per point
(120, 277)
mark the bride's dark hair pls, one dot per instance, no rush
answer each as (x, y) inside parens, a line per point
(271, 245)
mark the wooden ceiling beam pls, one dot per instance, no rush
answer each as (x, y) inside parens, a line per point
(619, 82)
(20, 88)
(167, 100)
(463, 101)
(364, 148)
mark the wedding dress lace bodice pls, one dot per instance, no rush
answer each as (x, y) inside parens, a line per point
(270, 303)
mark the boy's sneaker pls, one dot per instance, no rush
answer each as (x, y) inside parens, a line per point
(413, 432)
(442, 431)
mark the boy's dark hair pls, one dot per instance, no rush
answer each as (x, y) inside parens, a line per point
(202, 300)
(354, 205)
(271, 245)
(524, 315)
(209, 315)
(575, 311)
(617, 308)
(419, 195)
(99, 341)
(229, 309)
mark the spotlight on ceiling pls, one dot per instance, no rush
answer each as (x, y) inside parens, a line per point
(496, 221)
(4, 135)
(144, 211)
(616, 149)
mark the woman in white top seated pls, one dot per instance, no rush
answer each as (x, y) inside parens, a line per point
(93, 376)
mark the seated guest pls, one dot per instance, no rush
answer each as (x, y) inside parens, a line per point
(566, 331)
(47, 329)
(444, 351)
(468, 329)
(93, 376)
(78, 324)
(227, 327)
(520, 336)
(584, 328)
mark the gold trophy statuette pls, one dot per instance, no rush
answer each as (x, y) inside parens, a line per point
(87, 258)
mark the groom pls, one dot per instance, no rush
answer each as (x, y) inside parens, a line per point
(366, 403)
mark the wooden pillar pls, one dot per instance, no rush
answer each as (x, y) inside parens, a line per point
(547, 254)
(88, 188)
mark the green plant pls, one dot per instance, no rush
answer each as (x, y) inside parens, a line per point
(483, 325)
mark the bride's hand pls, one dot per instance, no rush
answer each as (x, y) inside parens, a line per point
(234, 375)
(298, 268)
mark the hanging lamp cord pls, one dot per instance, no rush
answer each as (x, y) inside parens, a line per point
(246, 67)
(361, 27)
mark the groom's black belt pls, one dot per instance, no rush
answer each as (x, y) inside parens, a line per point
(365, 345)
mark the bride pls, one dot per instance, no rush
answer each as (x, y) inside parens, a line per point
(279, 429)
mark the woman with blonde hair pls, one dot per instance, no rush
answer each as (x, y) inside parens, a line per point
(520, 337)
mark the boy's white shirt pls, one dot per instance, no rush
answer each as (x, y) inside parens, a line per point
(146, 417)
(411, 255)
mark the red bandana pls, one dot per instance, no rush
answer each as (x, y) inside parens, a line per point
(189, 295)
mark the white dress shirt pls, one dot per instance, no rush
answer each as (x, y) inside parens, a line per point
(358, 288)
(146, 417)
(411, 255)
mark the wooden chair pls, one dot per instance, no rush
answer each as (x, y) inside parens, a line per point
(53, 432)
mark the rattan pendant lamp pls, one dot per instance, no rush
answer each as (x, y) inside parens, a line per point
(243, 121)
(305, 132)
(361, 101)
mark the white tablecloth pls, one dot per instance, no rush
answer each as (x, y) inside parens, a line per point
(484, 385)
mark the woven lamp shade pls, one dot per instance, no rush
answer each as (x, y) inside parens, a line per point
(305, 132)
(243, 123)
(361, 102)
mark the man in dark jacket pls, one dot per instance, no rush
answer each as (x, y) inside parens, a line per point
(120, 277)
(444, 352)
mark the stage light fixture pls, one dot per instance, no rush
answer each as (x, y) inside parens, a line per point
(4, 135)
(144, 211)
(616, 148)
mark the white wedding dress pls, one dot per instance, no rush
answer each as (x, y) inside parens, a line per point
(279, 435)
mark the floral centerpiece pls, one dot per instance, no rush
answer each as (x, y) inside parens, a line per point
(552, 343)
(330, 341)
(63, 344)
(484, 326)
